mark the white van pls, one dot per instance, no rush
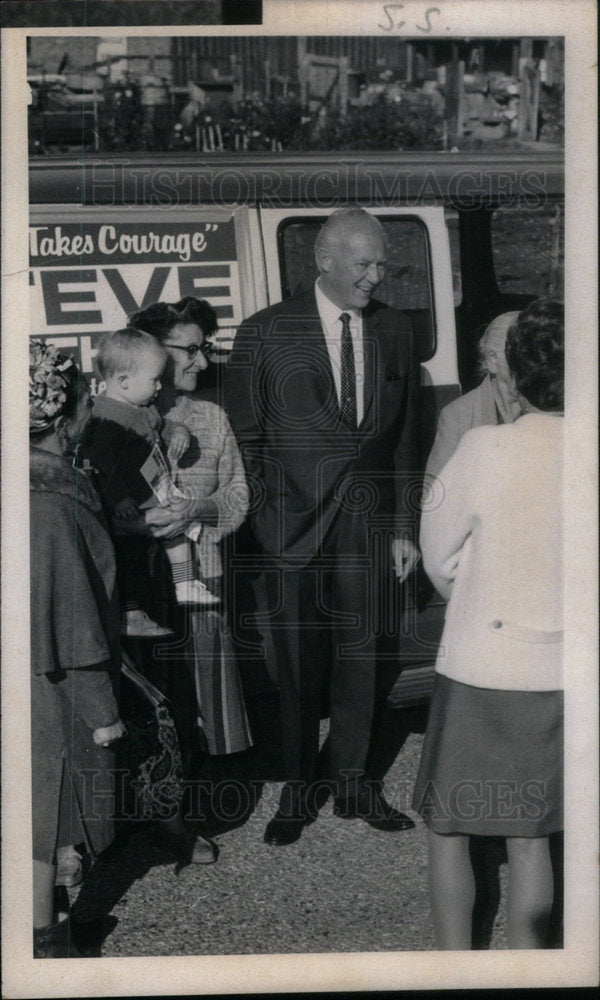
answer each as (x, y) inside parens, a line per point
(467, 239)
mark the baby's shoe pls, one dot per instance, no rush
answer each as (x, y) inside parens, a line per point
(194, 592)
(137, 623)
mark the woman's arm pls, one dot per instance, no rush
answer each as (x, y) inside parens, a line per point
(446, 441)
(447, 520)
(70, 625)
(192, 508)
(163, 522)
(216, 482)
(134, 526)
(90, 692)
(231, 497)
(166, 522)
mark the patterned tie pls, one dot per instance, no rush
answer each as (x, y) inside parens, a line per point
(348, 376)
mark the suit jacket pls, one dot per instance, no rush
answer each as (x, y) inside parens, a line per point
(303, 464)
(493, 545)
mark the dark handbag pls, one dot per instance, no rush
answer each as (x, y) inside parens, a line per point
(149, 756)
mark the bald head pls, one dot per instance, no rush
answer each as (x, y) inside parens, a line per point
(345, 223)
(350, 256)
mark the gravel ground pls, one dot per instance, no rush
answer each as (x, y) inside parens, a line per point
(343, 887)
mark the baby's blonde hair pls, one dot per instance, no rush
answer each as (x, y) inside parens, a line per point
(120, 351)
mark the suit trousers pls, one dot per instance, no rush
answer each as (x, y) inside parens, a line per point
(326, 620)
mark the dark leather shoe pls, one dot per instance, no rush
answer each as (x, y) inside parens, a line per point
(371, 807)
(282, 830)
(55, 941)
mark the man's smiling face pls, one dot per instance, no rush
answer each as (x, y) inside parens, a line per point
(352, 267)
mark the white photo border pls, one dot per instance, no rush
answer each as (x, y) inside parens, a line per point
(577, 963)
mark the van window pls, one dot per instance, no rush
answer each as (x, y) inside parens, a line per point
(406, 286)
(528, 249)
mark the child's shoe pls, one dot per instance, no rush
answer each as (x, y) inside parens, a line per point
(137, 623)
(194, 592)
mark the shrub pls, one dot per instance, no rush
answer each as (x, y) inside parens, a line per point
(384, 124)
(121, 118)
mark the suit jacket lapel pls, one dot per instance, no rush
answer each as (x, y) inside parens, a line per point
(323, 386)
(371, 350)
(308, 322)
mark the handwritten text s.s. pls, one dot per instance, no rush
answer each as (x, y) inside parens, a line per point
(404, 17)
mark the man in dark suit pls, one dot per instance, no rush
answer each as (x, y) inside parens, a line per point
(321, 393)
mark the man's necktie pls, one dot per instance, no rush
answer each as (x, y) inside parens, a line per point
(348, 374)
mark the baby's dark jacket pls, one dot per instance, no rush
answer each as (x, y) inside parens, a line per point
(118, 441)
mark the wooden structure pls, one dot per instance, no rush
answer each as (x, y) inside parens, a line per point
(276, 66)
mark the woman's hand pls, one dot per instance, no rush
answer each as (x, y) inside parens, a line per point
(180, 442)
(125, 509)
(106, 735)
(163, 522)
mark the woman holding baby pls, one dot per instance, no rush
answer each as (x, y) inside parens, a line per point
(169, 469)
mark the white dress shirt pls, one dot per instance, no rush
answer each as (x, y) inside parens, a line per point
(329, 315)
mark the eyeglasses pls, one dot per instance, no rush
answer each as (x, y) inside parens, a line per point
(192, 350)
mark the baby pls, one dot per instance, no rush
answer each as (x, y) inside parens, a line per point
(125, 444)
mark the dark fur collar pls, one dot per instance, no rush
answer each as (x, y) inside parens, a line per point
(50, 473)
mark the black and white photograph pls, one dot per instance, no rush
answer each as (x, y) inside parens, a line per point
(299, 634)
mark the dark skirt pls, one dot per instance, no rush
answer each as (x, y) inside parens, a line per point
(492, 762)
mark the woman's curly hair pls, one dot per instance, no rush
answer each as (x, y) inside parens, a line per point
(535, 353)
(160, 317)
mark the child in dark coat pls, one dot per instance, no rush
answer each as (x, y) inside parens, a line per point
(125, 444)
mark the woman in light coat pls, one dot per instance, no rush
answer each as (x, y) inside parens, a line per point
(491, 539)
(493, 401)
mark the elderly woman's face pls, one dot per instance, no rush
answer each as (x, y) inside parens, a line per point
(498, 366)
(184, 363)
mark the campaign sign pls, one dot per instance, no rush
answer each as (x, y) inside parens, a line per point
(86, 278)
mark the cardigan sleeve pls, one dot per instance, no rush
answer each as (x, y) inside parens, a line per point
(231, 494)
(67, 627)
(447, 438)
(447, 518)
